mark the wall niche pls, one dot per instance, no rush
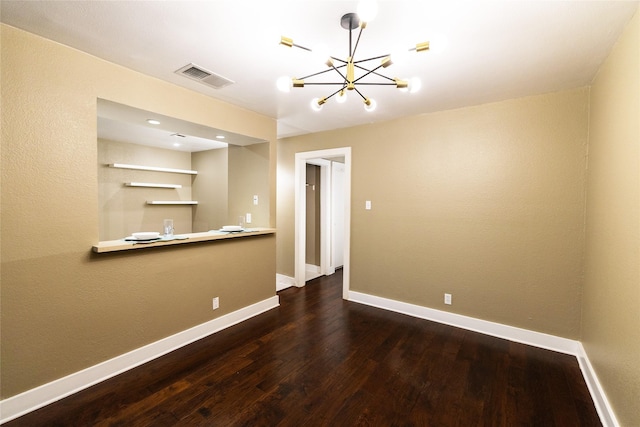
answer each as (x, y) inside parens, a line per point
(201, 177)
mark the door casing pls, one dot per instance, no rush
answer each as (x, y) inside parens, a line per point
(321, 158)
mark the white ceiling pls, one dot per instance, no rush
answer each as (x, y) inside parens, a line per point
(123, 123)
(482, 51)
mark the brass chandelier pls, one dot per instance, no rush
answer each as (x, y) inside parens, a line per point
(348, 80)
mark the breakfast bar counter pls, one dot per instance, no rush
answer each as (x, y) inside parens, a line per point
(178, 239)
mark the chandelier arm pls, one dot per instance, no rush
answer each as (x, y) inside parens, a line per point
(367, 73)
(371, 59)
(341, 75)
(301, 47)
(316, 74)
(325, 71)
(336, 92)
(363, 97)
(373, 72)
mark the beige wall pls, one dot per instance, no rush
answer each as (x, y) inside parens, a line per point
(248, 177)
(63, 308)
(486, 203)
(123, 210)
(312, 239)
(210, 189)
(611, 294)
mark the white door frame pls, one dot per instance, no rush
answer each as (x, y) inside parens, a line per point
(300, 213)
(326, 267)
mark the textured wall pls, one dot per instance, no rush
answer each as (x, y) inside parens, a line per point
(211, 189)
(123, 210)
(62, 308)
(611, 308)
(248, 169)
(486, 203)
(312, 240)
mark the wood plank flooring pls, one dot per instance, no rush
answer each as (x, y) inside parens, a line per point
(320, 361)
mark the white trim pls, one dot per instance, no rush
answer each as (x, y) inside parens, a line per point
(336, 218)
(43, 395)
(511, 333)
(284, 282)
(38, 397)
(172, 202)
(151, 168)
(313, 268)
(300, 220)
(151, 185)
(312, 272)
(301, 159)
(607, 416)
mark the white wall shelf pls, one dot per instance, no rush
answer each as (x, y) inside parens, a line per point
(172, 202)
(151, 168)
(151, 185)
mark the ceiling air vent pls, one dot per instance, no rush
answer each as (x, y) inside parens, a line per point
(209, 78)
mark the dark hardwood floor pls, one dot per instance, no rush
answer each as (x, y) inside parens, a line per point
(318, 360)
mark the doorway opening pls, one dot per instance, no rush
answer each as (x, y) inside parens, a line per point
(334, 218)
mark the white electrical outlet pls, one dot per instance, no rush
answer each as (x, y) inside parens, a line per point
(216, 303)
(255, 199)
(248, 218)
(447, 299)
(367, 205)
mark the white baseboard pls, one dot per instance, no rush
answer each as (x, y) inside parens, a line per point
(607, 416)
(524, 336)
(38, 397)
(284, 282)
(43, 395)
(312, 268)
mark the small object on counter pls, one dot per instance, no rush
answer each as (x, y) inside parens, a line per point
(146, 235)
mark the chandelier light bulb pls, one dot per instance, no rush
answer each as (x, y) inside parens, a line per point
(316, 105)
(415, 84)
(284, 84)
(400, 55)
(342, 97)
(367, 10)
(320, 53)
(370, 105)
(438, 43)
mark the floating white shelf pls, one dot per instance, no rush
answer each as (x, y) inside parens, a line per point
(172, 202)
(150, 184)
(151, 168)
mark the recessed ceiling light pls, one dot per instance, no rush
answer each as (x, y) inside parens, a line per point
(220, 136)
(175, 144)
(153, 121)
